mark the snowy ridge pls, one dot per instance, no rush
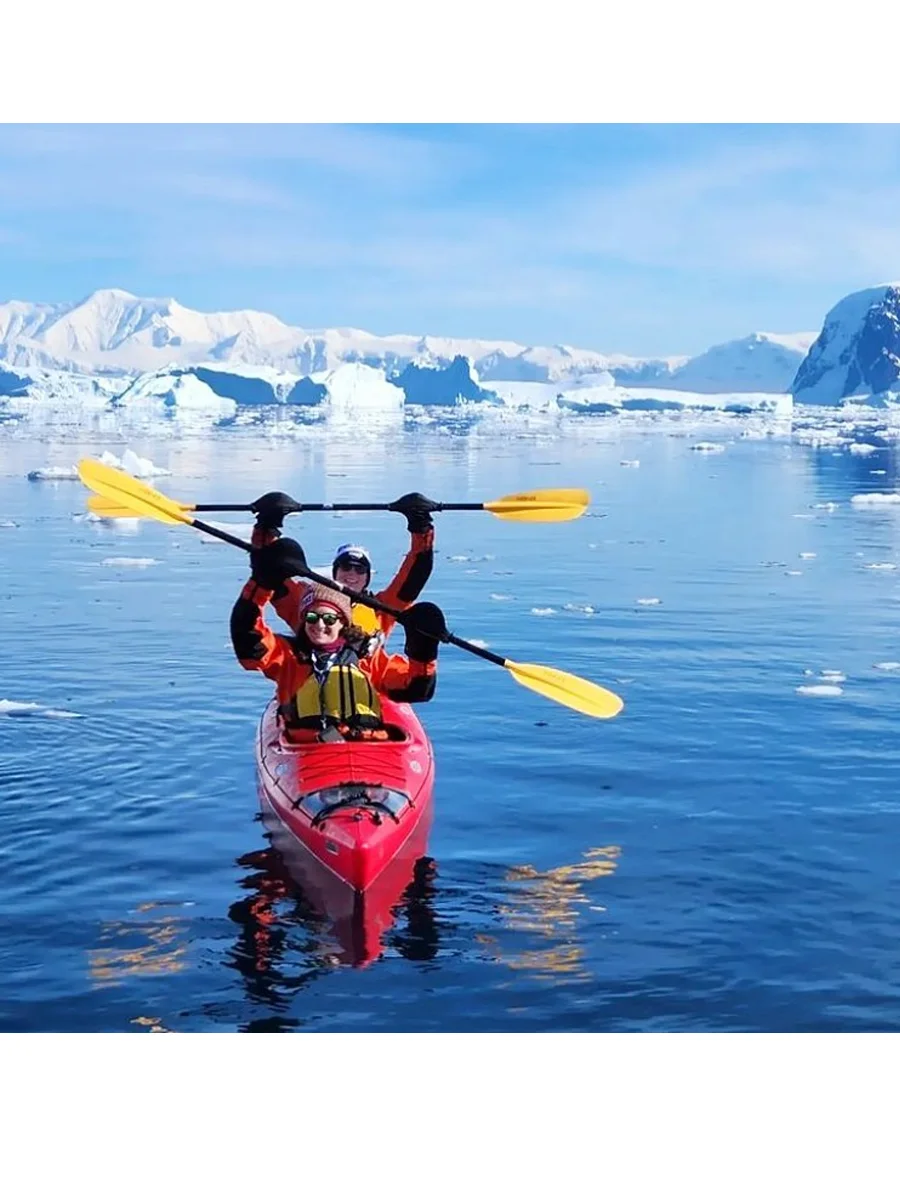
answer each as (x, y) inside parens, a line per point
(112, 332)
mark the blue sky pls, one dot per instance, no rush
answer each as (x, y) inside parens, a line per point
(642, 239)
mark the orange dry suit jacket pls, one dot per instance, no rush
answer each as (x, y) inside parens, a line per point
(283, 659)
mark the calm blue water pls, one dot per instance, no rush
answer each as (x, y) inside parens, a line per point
(722, 856)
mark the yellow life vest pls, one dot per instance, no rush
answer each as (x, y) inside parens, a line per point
(366, 618)
(345, 697)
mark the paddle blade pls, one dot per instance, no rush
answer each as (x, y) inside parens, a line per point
(580, 694)
(102, 507)
(122, 489)
(552, 504)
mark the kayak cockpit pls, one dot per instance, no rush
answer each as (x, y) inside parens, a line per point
(373, 798)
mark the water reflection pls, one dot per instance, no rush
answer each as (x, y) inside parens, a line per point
(842, 473)
(549, 905)
(284, 942)
(155, 945)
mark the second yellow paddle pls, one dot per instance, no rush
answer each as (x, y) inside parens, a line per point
(549, 504)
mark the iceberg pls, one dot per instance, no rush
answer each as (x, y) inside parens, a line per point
(856, 357)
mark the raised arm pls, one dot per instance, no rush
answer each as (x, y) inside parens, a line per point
(257, 648)
(415, 570)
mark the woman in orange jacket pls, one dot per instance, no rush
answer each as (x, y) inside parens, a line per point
(352, 565)
(329, 676)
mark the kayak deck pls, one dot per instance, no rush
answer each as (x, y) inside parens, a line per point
(353, 807)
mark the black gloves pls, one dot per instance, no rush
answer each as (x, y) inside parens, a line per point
(272, 508)
(425, 627)
(417, 509)
(271, 565)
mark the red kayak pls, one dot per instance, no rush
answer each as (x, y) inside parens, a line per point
(351, 819)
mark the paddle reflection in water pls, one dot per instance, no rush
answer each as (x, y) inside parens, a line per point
(154, 945)
(549, 904)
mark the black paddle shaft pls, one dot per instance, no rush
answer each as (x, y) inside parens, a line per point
(365, 598)
(333, 508)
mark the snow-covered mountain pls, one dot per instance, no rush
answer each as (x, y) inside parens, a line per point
(114, 332)
(858, 351)
(760, 362)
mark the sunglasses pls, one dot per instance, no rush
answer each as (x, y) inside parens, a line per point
(328, 619)
(351, 564)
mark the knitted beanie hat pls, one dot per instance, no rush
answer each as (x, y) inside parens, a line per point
(317, 595)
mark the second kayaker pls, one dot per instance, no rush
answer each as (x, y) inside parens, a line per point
(352, 564)
(330, 674)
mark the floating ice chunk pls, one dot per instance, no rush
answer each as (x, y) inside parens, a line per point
(862, 448)
(24, 708)
(242, 531)
(543, 612)
(886, 666)
(458, 558)
(8, 525)
(647, 601)
(129, 562)
(834, 676)
(480, 642)
(878, 472)
(819, 689)
(630, 462)
(500, 596)
(804, 517)
(876, 498)
(133, 464)
(708, 447)
(122, 524)
(582, 608)
(793, 572)
(141, 468)
(47, 473)
(829, 506)
(885, 566)
(807, 554)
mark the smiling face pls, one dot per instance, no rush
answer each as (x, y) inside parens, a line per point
(324, 626)
(352, 567)
(352, 575)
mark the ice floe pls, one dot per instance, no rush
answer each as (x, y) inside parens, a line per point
(543, 612)
(861, 448)
(133, 464)
(648, 601)
(876, 498)
(819, 689)
(243, 530)
(130, 562)
(25, 708)
(708, 447)
(881, 566)
(886, 666)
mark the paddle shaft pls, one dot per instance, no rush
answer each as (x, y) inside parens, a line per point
(365, 598)
(332, 508)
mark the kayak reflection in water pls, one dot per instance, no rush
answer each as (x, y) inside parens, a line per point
(330, 674)
(352, 564)
(277, 920)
